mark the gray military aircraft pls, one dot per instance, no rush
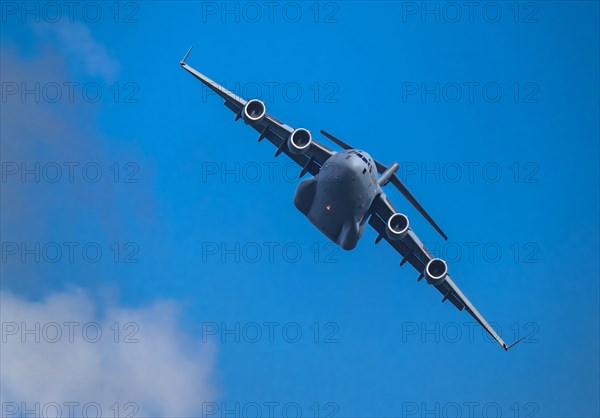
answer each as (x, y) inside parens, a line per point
(345, 193)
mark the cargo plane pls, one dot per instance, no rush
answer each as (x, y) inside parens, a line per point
(345, 192)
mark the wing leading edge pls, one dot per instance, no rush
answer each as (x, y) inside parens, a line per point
(414, 252)
(275, 131)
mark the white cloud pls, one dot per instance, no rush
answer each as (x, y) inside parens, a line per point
(164, 373)
(76, 40)
(167, 372)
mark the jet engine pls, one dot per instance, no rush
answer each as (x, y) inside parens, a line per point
(299, 140)
(436, 271)
(253, 112)
(397, 226)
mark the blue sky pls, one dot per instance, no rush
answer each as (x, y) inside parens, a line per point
(510, 171)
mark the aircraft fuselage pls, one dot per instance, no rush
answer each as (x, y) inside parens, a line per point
(337, 200)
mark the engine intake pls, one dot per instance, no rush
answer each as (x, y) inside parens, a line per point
(253, 112)
(436, 271)
(397, 226)
(299, 140)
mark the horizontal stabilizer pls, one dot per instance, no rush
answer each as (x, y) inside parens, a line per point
(413, 201)
(395, 180)
(337, 141)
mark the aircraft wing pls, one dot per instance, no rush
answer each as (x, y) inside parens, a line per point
(277, 132)
(414, 252)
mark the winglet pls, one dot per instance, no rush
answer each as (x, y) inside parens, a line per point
(186, 55)
(507, 347)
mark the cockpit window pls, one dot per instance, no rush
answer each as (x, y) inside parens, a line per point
(362, 157)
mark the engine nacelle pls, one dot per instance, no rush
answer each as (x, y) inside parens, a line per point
(299, 140)
(436, 271)
(253, 112)
(397, 226)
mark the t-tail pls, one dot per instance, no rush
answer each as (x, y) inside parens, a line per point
(388, 175)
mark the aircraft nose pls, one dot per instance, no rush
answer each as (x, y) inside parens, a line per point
(343, 170)
(353, 166)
